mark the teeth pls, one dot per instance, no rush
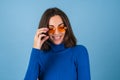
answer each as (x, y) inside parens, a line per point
(56, 37)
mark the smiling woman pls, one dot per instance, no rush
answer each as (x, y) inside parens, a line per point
(54, 20)
(55, 55)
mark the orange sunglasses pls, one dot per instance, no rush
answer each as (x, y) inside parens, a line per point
(61, 28)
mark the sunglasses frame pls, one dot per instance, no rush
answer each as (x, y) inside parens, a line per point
(52, 30)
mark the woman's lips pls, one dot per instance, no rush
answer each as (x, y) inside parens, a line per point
(57, 37)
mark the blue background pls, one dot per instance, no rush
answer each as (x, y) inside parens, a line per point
(96, 24)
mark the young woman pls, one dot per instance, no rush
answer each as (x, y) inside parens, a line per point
(55, 55)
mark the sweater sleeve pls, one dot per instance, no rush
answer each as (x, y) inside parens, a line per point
(33, 67)
(83, 67)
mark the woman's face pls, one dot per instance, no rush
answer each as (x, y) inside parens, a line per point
(56, 29)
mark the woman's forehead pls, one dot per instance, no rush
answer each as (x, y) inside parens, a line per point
(55, 20)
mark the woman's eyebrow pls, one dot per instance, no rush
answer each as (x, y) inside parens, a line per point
(61, 24)
(57, 26)
(51, 25)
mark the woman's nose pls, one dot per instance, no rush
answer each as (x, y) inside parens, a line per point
(56, 31)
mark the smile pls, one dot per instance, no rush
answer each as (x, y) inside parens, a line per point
(56, 37)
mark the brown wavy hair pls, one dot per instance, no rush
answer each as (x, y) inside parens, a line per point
(69, 38)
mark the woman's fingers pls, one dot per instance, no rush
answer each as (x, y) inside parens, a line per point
(40, 31)
(40, 38)
(41, 35)
(44, 39)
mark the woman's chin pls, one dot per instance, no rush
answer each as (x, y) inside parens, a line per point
(57, 42)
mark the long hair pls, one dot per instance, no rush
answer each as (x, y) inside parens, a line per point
(69, 38)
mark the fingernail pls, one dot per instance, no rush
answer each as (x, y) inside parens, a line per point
(47, 29)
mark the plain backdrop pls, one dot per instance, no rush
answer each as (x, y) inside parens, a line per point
(95, 23)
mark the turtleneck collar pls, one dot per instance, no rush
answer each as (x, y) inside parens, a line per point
(57, 48)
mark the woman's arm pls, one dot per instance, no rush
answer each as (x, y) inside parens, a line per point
(33, 67)
(83, 67)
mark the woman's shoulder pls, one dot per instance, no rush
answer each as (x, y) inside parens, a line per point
(79, 47)
(80, 50)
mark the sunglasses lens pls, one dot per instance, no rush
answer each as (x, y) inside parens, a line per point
(60, 29)
(51, 31)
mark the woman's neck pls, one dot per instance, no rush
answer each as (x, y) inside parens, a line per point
(57, 47)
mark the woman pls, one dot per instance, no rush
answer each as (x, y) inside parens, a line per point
(55, 55)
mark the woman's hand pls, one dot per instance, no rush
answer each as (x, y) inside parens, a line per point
(40, 38)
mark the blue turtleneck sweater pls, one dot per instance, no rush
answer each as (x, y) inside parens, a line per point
(59, 63)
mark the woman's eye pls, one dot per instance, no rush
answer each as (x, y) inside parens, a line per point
(61, 27)
(51, 28)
